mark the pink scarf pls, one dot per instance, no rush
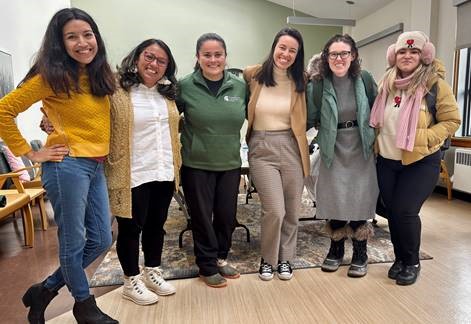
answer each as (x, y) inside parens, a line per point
(408, 115)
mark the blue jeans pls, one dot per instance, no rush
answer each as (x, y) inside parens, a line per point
(77, 190)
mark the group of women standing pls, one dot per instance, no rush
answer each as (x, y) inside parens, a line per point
(126, 127)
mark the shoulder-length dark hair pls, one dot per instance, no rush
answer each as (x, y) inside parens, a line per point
(296, 70)
(128, 75)
(324, 69)
(61, 71)
(208, 37)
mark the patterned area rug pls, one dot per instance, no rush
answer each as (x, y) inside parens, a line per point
(177, 263)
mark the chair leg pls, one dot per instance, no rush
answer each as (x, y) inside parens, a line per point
(28, 225)
(42, 212)
(446, 177)
(246, 230)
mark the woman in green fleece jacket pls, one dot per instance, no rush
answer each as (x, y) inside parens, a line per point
(213, 104)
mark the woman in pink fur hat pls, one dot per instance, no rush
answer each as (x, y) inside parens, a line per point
(410, 134)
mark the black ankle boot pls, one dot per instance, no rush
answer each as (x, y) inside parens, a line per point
(37, 297)
(359, 265)
(395, 269)
(408, 275)
(335, 256)
(87, 312)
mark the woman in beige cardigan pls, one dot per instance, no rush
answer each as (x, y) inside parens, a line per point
(143, 166)
(278, 149)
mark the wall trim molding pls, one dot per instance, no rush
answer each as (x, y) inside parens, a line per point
(382, 34)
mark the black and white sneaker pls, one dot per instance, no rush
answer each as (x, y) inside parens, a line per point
(265, 272)
(285, 272)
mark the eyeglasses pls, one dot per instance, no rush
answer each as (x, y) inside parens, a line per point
(343, 55)
(149, 58)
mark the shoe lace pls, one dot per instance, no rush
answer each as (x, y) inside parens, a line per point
(284, 267)
(155, 274)
(265, 267)
(222, 262)
(137, 284)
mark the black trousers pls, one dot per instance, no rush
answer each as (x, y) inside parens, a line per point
(211, 197)
(336, 224)
(404, 189)
(150, 202)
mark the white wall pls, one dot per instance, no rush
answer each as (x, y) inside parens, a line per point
(22, 24)
(446, 35)
(437, 18)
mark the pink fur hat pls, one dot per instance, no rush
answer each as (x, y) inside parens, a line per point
(412, 39)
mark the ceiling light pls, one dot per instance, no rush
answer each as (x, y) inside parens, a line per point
(295, 20)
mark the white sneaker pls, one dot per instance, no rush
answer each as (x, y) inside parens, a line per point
(135, 290)
(154, 280)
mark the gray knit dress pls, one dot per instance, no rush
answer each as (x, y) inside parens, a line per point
(348, 190)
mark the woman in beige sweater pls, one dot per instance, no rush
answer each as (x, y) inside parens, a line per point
(278, 149)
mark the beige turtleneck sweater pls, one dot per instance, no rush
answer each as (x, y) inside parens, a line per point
(272, 111)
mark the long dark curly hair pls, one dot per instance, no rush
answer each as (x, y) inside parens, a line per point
(60, 70)
(128, 75)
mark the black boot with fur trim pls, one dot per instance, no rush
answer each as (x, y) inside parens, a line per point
(359, 265)
(334, 258)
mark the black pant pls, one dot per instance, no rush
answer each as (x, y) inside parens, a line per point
(336, 224)
(211, 197)
(404, 189)
(150, 202)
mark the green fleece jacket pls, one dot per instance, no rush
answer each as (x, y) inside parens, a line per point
(211, 128)
(326, 117)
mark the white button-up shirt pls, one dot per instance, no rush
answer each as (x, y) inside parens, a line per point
(152, 157)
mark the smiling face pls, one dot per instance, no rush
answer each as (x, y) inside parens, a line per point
(285, 52)
(407, 60)
(212, 59)
(152, 64)
(340, 58)
(79, 41)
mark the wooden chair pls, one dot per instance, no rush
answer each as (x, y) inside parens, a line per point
(34, 170)
(445, 177)
(33, 187)
(18, 200)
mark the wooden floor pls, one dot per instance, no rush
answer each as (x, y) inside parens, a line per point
(441, 295)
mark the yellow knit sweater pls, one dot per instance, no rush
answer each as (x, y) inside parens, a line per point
(81, 121)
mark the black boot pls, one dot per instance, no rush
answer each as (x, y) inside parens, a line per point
(335, 256)
(37, 297)
(359, 265)
(395, 269)
(87, 312)
(408, 275)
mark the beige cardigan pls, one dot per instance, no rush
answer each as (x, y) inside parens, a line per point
(298, 114)
(118, 163)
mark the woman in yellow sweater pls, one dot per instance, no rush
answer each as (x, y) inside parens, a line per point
(73, 80)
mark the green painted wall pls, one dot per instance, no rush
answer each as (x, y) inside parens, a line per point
(248, 27)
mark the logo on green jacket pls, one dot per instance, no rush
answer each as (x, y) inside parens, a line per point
(231, 99)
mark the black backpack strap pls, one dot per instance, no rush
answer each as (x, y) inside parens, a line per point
(431, 100)
(370, 86)
(317, 90)
(314, 91)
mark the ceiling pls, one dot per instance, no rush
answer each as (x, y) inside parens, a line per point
(334, 8)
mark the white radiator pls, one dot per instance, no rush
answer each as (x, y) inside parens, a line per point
(462, 175)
